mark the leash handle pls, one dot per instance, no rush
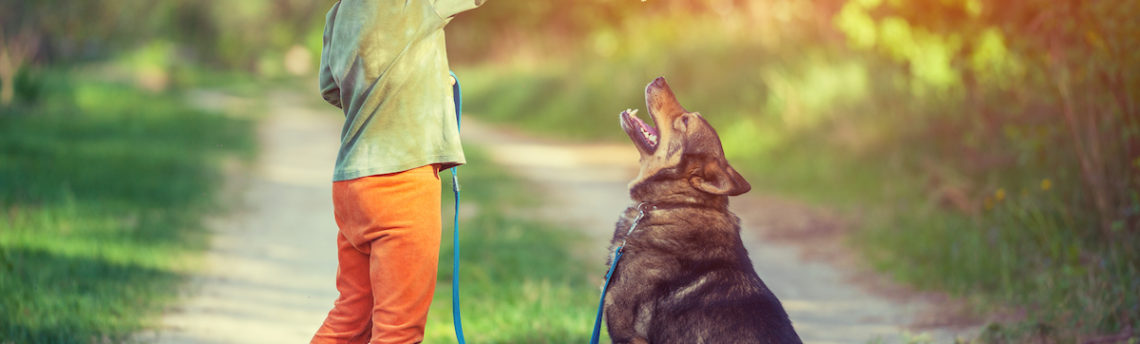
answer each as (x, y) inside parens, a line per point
(457, 96)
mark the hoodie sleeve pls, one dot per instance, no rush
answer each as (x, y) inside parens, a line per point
(449, 8)
(330, 90)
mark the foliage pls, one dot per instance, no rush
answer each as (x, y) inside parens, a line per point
(1037, 143)
(219, 33)
(1071, 108)
(104, 187)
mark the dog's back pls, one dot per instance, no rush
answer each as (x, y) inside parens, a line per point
(727, 305)
(690, 281)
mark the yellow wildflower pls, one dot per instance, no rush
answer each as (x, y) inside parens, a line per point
(999, 195)
(1046, 184)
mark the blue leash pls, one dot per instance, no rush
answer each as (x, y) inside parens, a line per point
(455, 317)
(606, 286)
(458, 97)
(602, 301)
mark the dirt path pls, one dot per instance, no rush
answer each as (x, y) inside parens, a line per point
(268, 276)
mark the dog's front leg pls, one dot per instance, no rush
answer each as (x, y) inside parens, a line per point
(621, 323)
(626, 315)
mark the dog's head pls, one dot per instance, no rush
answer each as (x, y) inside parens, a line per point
(680, 146)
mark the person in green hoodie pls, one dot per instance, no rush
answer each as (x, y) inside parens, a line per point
(384, 63)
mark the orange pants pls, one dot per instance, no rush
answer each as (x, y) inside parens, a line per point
(388, 250)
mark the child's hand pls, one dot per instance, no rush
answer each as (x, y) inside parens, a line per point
(452, 80)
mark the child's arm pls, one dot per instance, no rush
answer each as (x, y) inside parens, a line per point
(330, 90)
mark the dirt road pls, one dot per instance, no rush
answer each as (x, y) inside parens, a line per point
(268, 276)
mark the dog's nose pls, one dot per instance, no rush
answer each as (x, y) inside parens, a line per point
(660, 81)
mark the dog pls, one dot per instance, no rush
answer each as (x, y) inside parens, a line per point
(684, 275)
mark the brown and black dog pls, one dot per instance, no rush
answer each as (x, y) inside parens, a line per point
(685, 276)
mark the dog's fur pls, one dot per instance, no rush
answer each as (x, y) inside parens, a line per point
(685, 276)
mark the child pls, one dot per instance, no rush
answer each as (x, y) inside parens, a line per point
(385, 64)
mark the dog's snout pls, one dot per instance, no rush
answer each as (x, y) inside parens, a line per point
(661, 100)
(658, 85)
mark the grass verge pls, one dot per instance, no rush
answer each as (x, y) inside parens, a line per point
(103, 188)
(519, 281)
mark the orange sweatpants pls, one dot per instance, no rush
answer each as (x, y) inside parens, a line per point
(388, 249)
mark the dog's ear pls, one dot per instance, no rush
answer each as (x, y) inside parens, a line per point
(718, 178)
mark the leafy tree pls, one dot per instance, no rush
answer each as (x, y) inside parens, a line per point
(1075, 59)
(228, 34)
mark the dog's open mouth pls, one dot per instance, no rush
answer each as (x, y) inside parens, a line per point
(644, 135)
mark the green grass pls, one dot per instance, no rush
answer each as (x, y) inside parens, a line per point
(520, 281)
(103, 188)
(1021, 257)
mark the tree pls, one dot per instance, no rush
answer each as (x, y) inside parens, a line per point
(1075, 59)
(14, 51)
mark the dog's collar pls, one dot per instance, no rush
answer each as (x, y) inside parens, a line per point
(644, 207)
(648, 206)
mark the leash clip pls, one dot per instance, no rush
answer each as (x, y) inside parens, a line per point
(640, 215)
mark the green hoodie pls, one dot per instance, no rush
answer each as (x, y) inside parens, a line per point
(384, 63)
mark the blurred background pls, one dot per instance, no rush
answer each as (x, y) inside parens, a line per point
(987, 149)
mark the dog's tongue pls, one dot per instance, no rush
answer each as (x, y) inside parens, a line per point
(648, 132)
